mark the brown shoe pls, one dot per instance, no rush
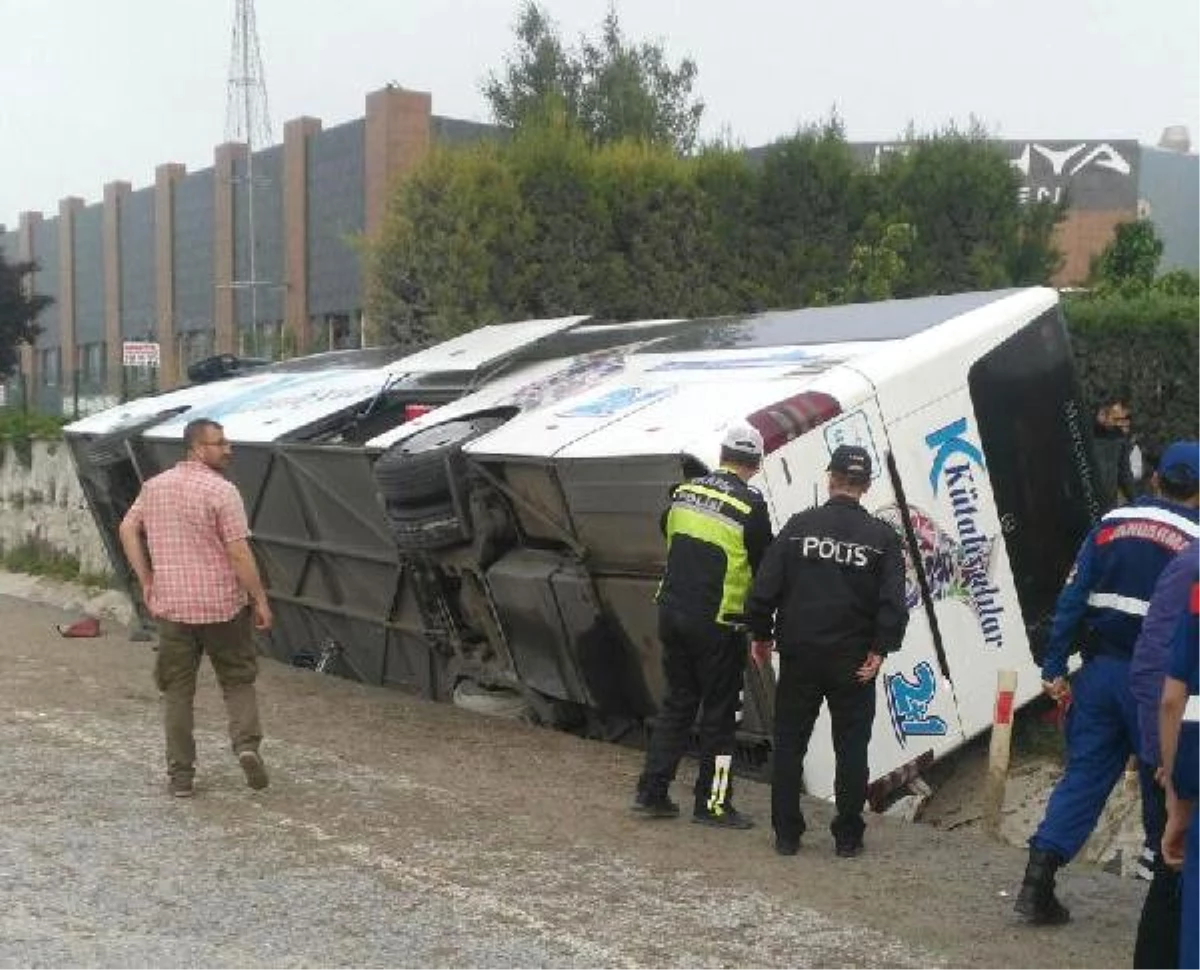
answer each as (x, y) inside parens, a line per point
(254, 769)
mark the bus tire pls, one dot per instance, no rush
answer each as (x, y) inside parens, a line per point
(414, 472)
(426, 527)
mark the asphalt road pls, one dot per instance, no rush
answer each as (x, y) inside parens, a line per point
(398, 832)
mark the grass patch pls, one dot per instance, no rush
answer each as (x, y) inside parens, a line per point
(36, 557)
(21, 428)
(98, 580)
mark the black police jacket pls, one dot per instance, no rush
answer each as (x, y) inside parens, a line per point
(833, 579)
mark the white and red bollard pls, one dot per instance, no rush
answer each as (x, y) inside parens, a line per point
(998, 750)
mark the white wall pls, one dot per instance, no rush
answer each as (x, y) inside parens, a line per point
(44, 502)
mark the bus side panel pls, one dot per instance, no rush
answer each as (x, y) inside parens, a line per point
(915, 707)
(968, 576)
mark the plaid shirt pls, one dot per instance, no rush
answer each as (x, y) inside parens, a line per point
(189, 514)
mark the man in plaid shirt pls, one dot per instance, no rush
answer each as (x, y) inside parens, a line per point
(195, 582)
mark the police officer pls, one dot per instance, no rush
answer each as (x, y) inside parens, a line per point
(1102, 605)
(835, 575)
(1180, 740)
(717, 529)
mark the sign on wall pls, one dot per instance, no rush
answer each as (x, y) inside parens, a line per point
(140, 353)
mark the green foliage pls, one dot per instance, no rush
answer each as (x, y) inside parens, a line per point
(959, 194)
(447, 246)
(37, 557)
(547, 224)
(610, 88)
(1178, 282)
(20, 428)
(15, 424)
(812, 206)
(877, 263)
(1129, 262)
(1146, 345)
(19, 311)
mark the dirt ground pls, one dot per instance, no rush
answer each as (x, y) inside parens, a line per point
(398, 832)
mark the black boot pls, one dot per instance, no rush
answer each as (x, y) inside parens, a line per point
(1036, 903)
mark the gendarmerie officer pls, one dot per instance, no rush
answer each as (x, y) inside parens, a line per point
(831, 592)
(1100, 612)
(717, 529)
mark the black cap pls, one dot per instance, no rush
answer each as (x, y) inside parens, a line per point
(852, 461)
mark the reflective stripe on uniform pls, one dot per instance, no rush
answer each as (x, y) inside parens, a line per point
(716, 495)
(1191, 711)
(1152, 514)
(1122, 604)
(716, 515)
(719, 790)
(708, 523)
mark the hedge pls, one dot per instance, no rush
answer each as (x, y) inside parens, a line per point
(1144, 347)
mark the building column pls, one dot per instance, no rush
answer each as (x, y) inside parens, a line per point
(296, 135)
(30, 364)
(224, 235)
(165, 177)
(68, 208)
(398, 136)
(114, 195)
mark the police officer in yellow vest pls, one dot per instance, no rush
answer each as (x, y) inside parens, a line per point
(717, 528)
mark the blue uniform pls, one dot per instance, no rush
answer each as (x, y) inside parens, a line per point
(1185, 666)
(1157, 943)
(1152, 654)
(1100, 610)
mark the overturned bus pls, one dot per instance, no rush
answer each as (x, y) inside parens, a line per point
(488, 513)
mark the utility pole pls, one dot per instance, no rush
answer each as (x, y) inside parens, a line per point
(248, 120)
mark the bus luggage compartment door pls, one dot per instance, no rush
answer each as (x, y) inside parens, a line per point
(560, 641)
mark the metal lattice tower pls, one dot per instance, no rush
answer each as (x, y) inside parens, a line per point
(248, 120)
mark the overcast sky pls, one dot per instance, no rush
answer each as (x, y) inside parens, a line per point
(93, 91)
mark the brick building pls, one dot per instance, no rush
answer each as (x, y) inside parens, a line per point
(168, 263)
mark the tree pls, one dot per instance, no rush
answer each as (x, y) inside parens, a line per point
(542, 225)
(541, 77)
(877, 265)
(813, 202)
(19, 310)
(1034, 258)
(960, 195)
(609, 88)
(1129, 262)
(450, 246)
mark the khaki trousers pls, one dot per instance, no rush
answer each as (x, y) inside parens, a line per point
(230, 649)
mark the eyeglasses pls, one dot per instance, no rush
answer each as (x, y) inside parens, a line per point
(219, 443)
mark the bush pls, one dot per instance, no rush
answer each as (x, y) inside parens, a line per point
(1143, 345)
(20, 428)
(545, 224)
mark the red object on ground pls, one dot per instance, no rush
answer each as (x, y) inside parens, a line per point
(89, 626)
